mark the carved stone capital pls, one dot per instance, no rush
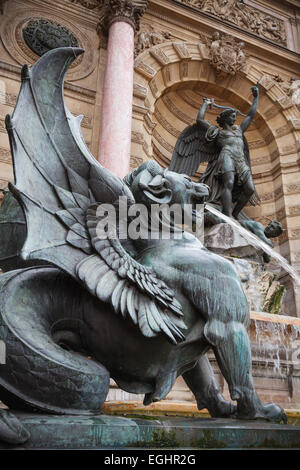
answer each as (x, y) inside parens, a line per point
(129, 11)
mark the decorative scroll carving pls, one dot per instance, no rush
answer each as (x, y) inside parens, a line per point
(149, 37)
(226, 54)
(245, 16)
(41, 35)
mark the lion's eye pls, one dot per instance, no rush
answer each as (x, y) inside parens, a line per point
(187, 178)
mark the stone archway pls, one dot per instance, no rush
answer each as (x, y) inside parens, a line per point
(169, 82)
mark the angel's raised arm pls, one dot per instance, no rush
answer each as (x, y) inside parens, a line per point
(252, 111)
(200, 117)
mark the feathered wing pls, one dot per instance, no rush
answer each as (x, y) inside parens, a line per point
(193, 148)
(59, 185)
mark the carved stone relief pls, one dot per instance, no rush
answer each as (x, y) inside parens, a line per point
(149, 37)
(292, 89)
(11, 32)
(244, 16)
(42, 35)
(226, 54)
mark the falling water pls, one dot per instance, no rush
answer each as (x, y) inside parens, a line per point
(277, 343)
(257, 243)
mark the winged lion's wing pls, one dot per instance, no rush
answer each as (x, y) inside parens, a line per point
(58, 182)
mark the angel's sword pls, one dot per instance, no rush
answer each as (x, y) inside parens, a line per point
(212, 103)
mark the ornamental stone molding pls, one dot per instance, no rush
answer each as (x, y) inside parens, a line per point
(245, 17)
(128, 11)
(11, 32)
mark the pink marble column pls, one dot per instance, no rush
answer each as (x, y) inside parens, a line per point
(115, 134)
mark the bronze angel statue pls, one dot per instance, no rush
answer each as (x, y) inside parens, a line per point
(225, 148)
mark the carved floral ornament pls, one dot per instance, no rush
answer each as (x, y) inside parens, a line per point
(244, 16)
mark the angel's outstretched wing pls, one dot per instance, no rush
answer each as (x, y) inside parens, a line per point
(59, 186)
(193, 147)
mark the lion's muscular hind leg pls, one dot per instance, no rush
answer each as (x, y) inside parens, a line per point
(201, 380)
(232, 350)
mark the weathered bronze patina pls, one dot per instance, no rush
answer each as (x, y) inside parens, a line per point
(143, 311)
(225, 148)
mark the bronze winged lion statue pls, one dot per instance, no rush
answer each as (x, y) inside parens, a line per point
(141, 312)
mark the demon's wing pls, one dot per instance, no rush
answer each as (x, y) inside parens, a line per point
(60, 185)
(195, 145)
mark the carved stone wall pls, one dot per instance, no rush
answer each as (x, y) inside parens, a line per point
(248, 17)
